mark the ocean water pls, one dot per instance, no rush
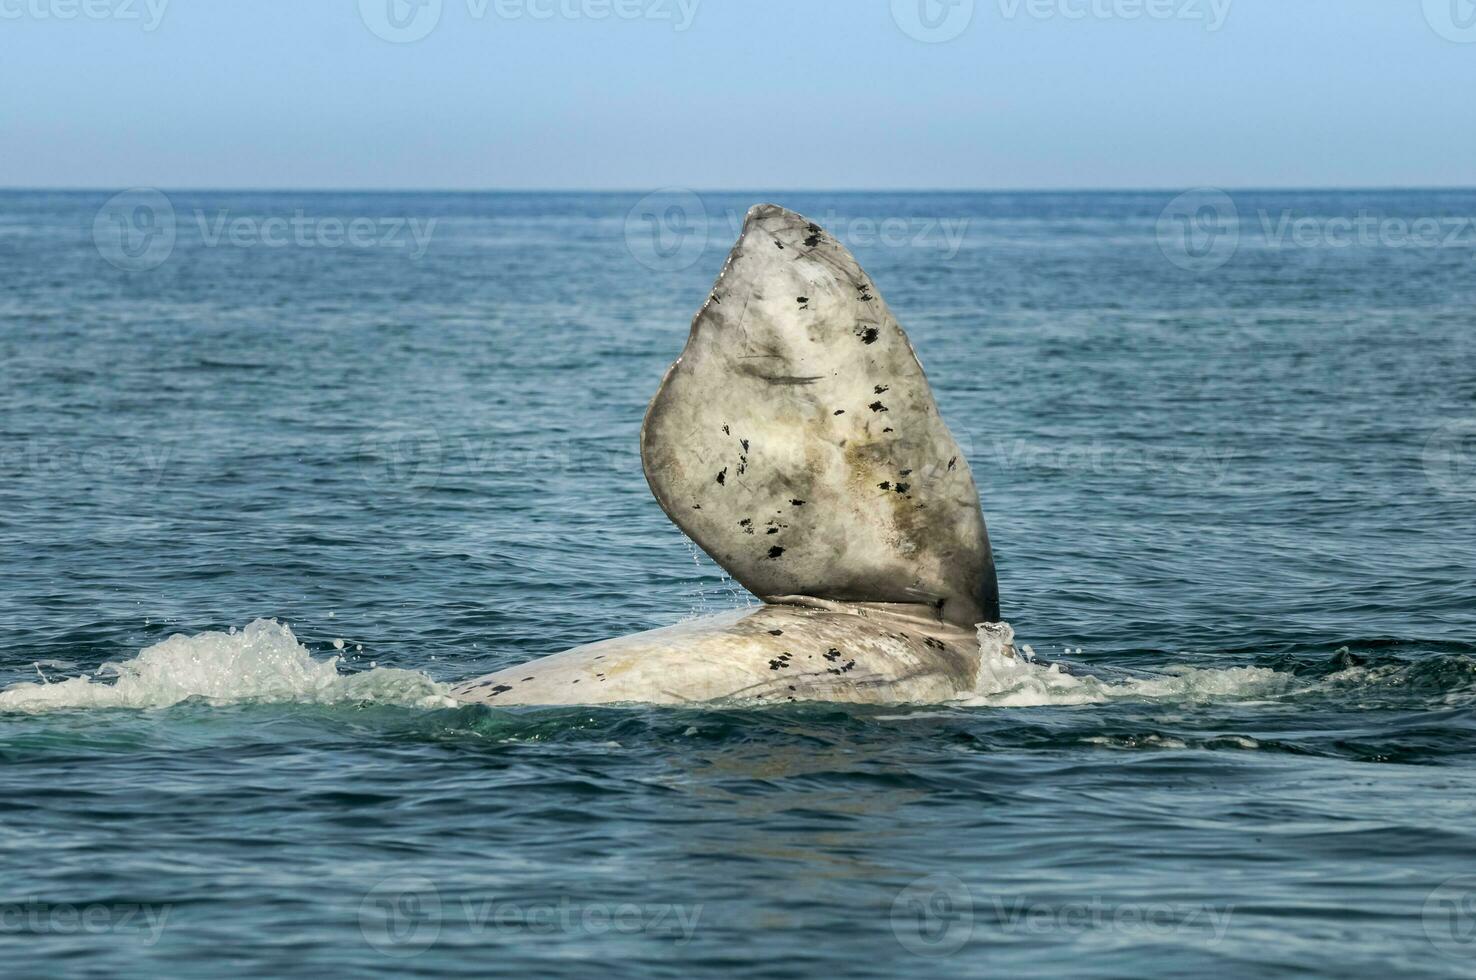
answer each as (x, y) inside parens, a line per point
(275, 468)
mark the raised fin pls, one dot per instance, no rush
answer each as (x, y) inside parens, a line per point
(797, 442)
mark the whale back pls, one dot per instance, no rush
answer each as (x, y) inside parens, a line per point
(797, 442)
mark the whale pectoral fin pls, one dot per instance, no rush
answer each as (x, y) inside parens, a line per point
(797, 442)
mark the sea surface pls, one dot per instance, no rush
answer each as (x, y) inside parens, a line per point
(277, 468)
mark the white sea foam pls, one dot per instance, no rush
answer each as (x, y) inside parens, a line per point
(1012, 678)
(263, 662)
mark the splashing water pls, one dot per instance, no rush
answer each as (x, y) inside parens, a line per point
(263, 662)
(1011, 678)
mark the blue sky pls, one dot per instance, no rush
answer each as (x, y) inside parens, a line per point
(829, 94)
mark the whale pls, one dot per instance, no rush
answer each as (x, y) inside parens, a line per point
(797, 442)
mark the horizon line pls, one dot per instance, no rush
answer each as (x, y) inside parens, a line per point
(327, 189)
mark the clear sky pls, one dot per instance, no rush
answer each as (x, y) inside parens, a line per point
(717, 94)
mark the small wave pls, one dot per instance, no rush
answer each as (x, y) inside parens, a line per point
(263, 662)
(1011, 678)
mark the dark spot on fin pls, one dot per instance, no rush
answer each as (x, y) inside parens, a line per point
(775, 551)
(877, 407)
(722, 477)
